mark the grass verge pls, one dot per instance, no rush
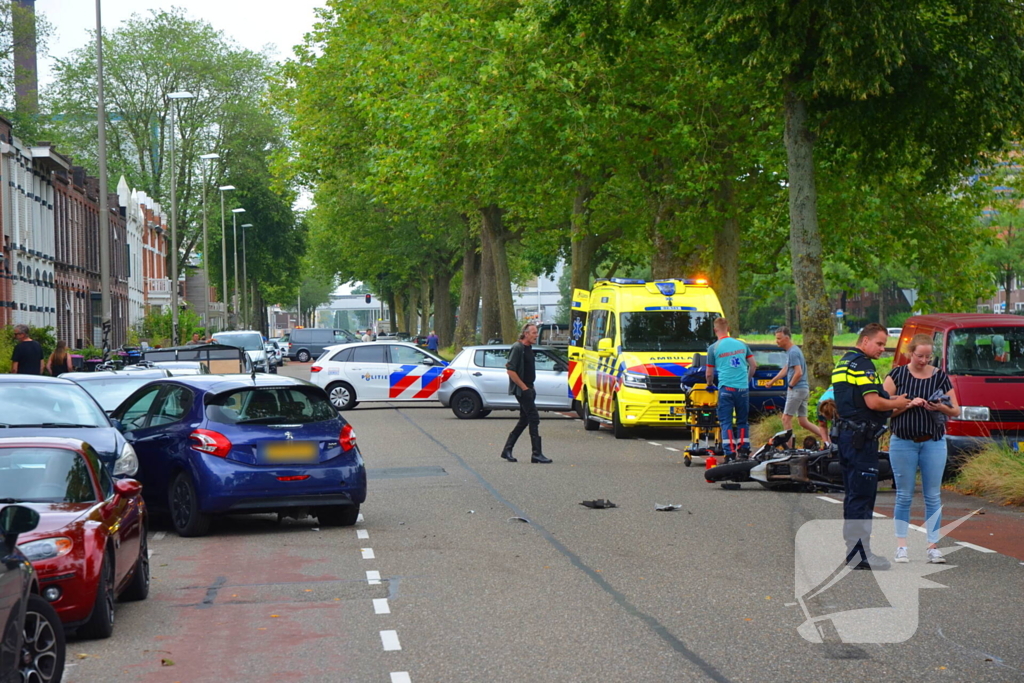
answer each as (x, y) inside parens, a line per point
(995, 472)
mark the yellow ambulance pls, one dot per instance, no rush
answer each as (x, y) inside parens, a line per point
(631, 342)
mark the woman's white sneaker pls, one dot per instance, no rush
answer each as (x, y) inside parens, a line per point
(935, 556)
(901, 554)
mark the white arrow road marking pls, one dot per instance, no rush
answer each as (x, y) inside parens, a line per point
(390, 640)
(974, 547)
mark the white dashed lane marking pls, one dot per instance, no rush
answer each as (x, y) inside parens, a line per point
(380, 606)
(877, 514)
(368, 554)
(373, 578)
(830, 500)
(359, 518)
(400, 677)
(390, 640)
(654, 443)
(974, 547)
(362, 533)
(159, 536)
(669, 448)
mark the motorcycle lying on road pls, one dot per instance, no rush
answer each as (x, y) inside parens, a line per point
(777, 467)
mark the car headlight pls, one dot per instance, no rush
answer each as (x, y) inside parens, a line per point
(633, 379)
(975, 413)
(127, 463)
(46, 549)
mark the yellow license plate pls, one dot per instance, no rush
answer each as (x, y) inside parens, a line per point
(290, 451)
(677, 410)
(768, 382)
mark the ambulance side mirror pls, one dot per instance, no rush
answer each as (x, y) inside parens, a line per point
(605, 347)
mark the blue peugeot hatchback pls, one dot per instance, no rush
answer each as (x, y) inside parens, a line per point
(227, 444)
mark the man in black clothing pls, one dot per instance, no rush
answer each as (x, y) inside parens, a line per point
(27, 358)
(522, 372)
(863, 407)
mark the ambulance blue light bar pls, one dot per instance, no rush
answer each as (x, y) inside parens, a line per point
(638, 281)
(666, 288)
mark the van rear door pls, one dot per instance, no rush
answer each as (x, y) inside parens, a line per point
(577, 330)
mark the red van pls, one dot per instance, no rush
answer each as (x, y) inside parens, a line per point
(983, 354)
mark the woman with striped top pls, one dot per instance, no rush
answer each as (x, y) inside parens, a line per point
(918, 442)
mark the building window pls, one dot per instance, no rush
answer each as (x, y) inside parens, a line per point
(984, 308)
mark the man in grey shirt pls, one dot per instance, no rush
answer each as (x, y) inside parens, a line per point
(798, 390)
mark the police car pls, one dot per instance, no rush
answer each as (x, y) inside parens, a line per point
(377, 371)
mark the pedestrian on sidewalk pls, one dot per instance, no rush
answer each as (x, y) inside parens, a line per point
(798, 391)
(59, 361)
(522, 372)
(27, 358)
(918, 442)
(432, 342)
(863, 406)
(734, 362)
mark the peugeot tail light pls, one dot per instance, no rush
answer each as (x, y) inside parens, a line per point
(207, 441)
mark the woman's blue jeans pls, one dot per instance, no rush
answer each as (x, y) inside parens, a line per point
(907, 457)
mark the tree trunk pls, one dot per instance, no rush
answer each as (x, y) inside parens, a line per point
(424, 307)
(492, 226)
(412, 308)
(469, 300)
(882, 314)
(398, 315)
(725, 277)
(584, 244)
(805, 243)
(444, 314)
(490, 318)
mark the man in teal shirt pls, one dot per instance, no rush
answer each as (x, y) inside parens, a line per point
(735, 365)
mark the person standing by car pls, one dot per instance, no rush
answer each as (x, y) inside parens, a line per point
(918, 442)
(734, 362)
(59, 361)
(798, 391)
(432, 342)
(27, 358)
(863, 406)
(366, 336)
(522, 373)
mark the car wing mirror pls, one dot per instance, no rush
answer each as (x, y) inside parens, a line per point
(117, 424)
(427, 361)
(129, 488)
(15, 520)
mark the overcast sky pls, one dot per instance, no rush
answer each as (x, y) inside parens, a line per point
(252, 23)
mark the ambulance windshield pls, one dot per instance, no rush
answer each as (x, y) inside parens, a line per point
(667, 330)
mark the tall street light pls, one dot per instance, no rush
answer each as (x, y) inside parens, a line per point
(234, 229)
(104, 217)
(174, 221)
(206, 244)
(224, 250)
(246, 301)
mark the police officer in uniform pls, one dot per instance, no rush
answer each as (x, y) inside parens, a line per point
(863, 407)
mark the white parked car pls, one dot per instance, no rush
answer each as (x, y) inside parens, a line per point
(476, 381)
(377, 371)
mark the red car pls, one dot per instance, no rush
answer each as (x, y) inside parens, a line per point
(90, 545)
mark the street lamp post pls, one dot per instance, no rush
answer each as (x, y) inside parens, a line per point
(246, 300)
(106, 314)
(234, 229)
(174, 221)
(206, 244)
(224, 250)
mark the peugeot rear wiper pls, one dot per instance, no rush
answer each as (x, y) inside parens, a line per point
(57, 424)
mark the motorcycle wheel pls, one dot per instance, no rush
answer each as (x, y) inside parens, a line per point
(733, 471)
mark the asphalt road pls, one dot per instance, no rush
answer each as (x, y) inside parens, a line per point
(468, 592)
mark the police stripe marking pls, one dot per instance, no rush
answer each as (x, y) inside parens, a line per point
(380, 606)
(401, 380)
(390, 641)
